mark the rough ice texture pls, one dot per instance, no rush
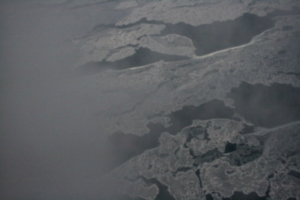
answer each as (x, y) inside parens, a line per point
(219, 132)
(202, 11)
(105, 44)
(173, 165)
(195, 160)
(169, 86)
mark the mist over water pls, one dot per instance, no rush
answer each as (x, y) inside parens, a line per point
(51, 145)
(267, 106)
(217, 36)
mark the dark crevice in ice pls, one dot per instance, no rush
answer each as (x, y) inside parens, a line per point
(217, 36)
(183, 169)
(269, 187)
(191, 153)
(292, 198)
(199, 178)
(242, 196)
(294, 174)
(209, 197)
(267, 106)
(230, 147)
(209, 156)
(244, 154)
(142, 56)
(164, 193)
(268, 190)
(126, 146)
(270, 176)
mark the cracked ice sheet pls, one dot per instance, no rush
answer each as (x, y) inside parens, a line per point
(98, 50)
(118, 43)
(199, 80)
(219, 133)
(101, 44)
(192, 12)
(218, 175)
(172, 155)
(253, 176)
(169, 86)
